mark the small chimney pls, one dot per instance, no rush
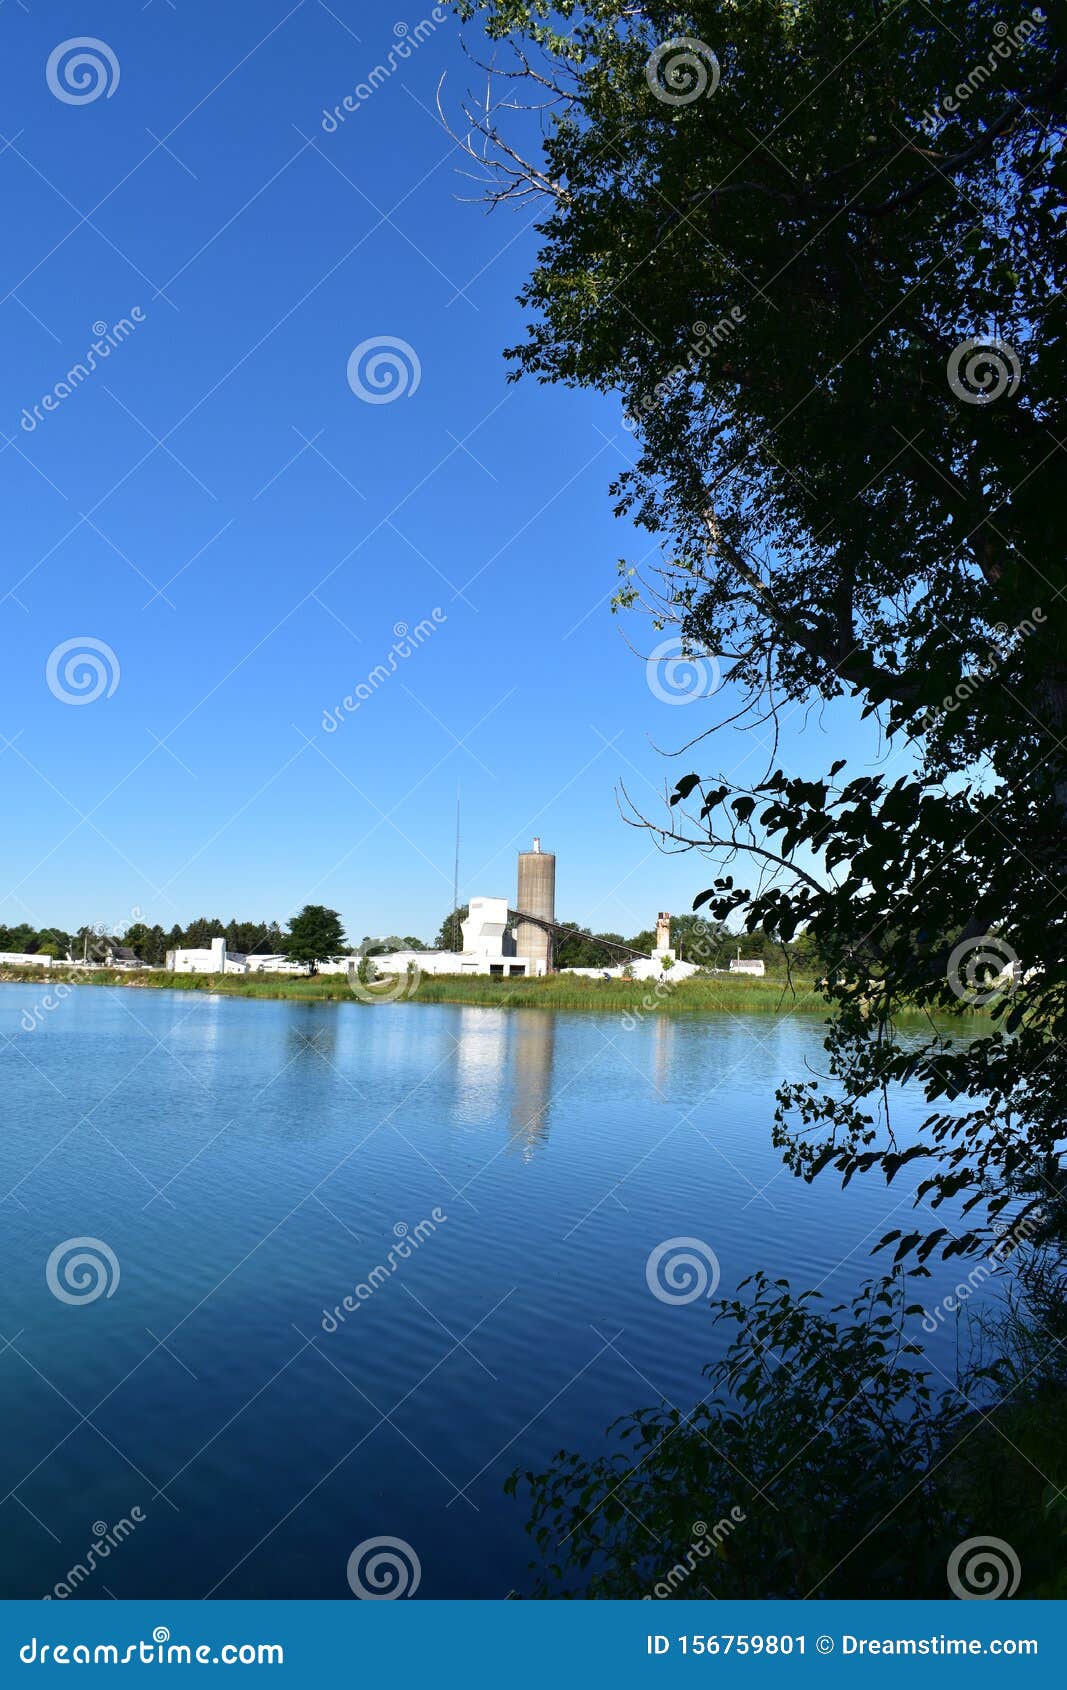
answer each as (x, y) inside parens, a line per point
(537, 845)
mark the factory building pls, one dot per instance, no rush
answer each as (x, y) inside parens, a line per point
(498, 938)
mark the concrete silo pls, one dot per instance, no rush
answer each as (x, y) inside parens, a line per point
(536, 896)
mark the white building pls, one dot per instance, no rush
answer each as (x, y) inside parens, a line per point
(24, 959)
(216, 959)
(488, 948)
(747, 965)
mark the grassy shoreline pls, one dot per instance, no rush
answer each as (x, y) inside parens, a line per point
(717, 994)
(720, 994)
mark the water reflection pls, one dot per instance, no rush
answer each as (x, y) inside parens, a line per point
(533, 1047)
(662, 1051)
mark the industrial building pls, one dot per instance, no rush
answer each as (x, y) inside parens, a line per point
(504, 940)
(510, 940)
(498, 938)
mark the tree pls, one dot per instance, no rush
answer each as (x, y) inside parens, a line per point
(841, 355)
(199, 933)
(579, 947)
(315, 935)
(450, 937)
(831, 296)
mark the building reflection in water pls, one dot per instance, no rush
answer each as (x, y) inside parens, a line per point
(662, 1046)
(532, 1049)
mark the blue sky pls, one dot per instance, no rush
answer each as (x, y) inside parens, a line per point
(242, 532)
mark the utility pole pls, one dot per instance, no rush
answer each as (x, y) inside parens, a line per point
(455, 881)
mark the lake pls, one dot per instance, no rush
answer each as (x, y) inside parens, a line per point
(248, 1164)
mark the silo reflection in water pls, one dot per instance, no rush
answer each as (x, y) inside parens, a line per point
(533, 1042)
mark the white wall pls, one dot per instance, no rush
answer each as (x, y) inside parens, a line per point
(24, 959)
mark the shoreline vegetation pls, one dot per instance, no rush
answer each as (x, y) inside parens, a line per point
(700, 995)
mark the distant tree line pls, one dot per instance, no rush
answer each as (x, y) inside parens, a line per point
(150, 944)
(708, 944)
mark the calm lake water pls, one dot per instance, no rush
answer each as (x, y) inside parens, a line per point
(248, 1164)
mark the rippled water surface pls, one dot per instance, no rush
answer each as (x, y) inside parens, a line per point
(249, 1164)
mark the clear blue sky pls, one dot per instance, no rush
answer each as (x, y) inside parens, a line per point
(217, 506)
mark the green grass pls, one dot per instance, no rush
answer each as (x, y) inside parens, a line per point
(701, 996)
